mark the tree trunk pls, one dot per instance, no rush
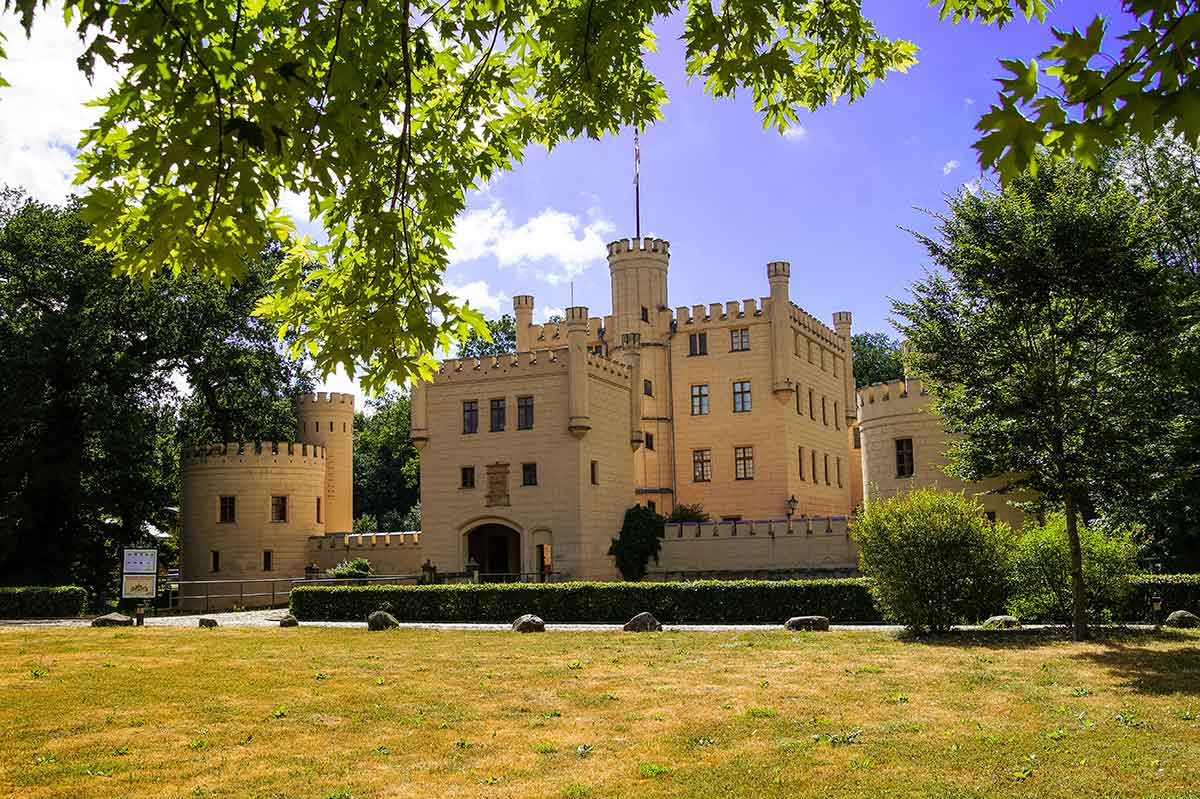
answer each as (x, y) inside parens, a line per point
(1078, 594)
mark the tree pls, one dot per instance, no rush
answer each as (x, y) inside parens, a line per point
(386, 476)
(689, 513)
(639, 540)
(1044, 343)
(876, 358)
(384, 115)
(502, 333)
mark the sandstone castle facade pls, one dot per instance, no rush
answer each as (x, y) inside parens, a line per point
(529, 460)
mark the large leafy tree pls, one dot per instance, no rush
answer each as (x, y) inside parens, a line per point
(386, 467)
(1045, 337)
(501, 338)
(89, 442)
(876, 358)
(383, 115)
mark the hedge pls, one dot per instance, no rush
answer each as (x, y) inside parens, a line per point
(25, 602)
(1178, 592)
(706, 601)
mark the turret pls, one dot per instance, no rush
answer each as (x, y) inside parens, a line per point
(579, 418)
(631, 348)
(778, 275)
(523, 311)
(639, 285)
(842, 324)
(327, 420)
(419, 429)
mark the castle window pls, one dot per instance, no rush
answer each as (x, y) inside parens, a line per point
(268, 560)
(595, 473)
(279, 509)
(647, 388)
(839, 472)
(467, 477)
(857, 438)
(801, 453)
(701, 465)
(814, 465)
(812, 412)
(214, 561)
(741, 396)
(826, 468)
(835, 366)
(743, 463)
(331, 425)
(824, 413)
(904, 457)
(470, 416)
(228, 510)
(811, 345)
(698, 344)
(650, 441)
(524, 413)
(528, 474)
(837, 423)
(343, 427)
(645, 314)
(318, 510)
(799, 411)
(739, 340)
(497, 419)
(700, 400)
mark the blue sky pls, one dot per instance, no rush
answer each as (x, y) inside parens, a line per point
(730, 196)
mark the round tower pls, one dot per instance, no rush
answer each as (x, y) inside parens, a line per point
(523, 311)
(327, 420)
(639, 285)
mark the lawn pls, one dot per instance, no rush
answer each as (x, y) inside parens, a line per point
(323, 713)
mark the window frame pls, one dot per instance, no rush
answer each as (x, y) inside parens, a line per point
(743, 463)
(649, 441)
(905, 456)
(525, 412)
(283, 503)
(595, 473)
(232, 508)
(529, 470)
(647, 387)
(739, 339)
(214, 561)
(700, 394)
(743, 401)
(697, 344)
(499, 404)
(470, 409)
(268, 560)
(702, 465)
(466, 477)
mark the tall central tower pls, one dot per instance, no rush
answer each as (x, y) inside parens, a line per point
(639, 301)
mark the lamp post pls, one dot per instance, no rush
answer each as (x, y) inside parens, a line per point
(792, 502)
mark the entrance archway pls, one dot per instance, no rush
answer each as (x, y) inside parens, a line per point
(497, 550)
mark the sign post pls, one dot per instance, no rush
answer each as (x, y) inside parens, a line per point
(139, 578)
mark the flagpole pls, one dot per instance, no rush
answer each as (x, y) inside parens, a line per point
(637, 186)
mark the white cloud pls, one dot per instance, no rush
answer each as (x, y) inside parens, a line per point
(42, 115)
(968, 102)
(544, 314)
(480, 295)
(795, 132)
(554, 245)
(949, 167)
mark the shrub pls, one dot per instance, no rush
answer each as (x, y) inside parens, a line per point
(639, 540)
(689, 513)
(26, 602)
(703, 601)
(365, 525)
(359, 567)
(1042, 573)
(933, 559)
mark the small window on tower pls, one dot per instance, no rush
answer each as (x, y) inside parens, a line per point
(650, 441)
(645, 314)
(318, 510)
(268, 560)
(279, 509)
(214, 562)
(904, 457)
(228, 510)
(647, 388)
(595, 473)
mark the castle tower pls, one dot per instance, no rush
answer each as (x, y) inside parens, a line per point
(639, 285)
(778, 276)
(842, 324)
(631, 348)
(580, 420)
(327, 420)
(523, 311)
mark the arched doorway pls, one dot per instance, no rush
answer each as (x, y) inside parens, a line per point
(496, 548)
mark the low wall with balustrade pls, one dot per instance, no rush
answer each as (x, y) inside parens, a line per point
(804, 545)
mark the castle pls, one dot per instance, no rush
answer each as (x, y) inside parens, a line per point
(529, 460)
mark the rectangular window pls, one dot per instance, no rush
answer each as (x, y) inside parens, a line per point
(279, 509)
(318, 510)
(743, 463)
(470, 416)
(228, 510)
(698, 344)
(700, 400)
(839, 472)
(528, 474)
(214, 561)
(650, 441)
(268, 560)
(857, 438)
(595, 473)
(814, 465)
(497, 418)
(741, 396)
(826, 468)
(524, 413)
(647, 388)
(837, 422)
(645, 314)
(904, 457)
(701, 465)
(824, 413)
(801, 452)
(835, 367)
(812, 408)
(739, 340)
(467, 477)
(799, 411)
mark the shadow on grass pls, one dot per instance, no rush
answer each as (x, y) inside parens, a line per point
(1150, 671)
(1040, 636)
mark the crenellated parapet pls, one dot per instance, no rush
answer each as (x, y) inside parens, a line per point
(639, 247)
(456, 370)
(719, 312)
(330, 400)
(555, 334)
(252, 453)
(811, 326)
(893, 398)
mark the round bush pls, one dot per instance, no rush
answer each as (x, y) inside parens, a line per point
(933, 558)
(1042, 573)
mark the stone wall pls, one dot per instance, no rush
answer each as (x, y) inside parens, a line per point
(811, 544)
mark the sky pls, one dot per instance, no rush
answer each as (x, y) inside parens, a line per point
(834, 196)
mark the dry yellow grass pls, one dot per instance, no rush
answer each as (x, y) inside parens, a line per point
(346, 713)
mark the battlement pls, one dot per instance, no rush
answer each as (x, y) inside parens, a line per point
(779, 270)
(343, 541)
(323, 400)
(843, 319)
(247, 451)
(577, 313)
(748, 528)
(717, 312)
(815, 328)
(537, 361)
(606, 366)
(621, 247)
(523, 301)
(551, 331)
(893, 398)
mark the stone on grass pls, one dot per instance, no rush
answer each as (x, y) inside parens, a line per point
(529, 624)
(643, 623)
(289, 621)
(812, 623)
(113, 620)
(1183, 618)
(381, 620)
(1001, 623)
(208, 622)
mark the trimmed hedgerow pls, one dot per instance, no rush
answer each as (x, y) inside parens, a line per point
(1178, 592)
(33, 602)
(700, 602)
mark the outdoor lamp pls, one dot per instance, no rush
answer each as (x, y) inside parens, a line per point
(1156, 603)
